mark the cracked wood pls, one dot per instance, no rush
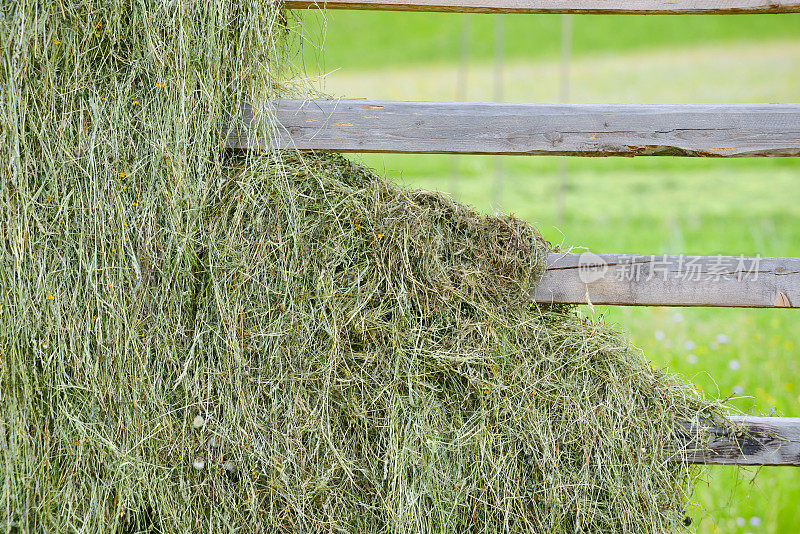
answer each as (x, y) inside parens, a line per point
(660, 280)
(557, 6)
(747, 441)
(711, 130)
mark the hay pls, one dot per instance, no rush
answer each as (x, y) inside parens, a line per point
(194, 340)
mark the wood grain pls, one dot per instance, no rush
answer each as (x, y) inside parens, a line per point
(744, 440)
(713, 130)
(558, 6)
(658, 280)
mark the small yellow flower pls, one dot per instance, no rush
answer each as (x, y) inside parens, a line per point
(124, 187)
(135, 204)
(113, 250)
(135, 102)
(58, 42)
(122, 175)
(97, 26)
(380, 236)
(50, 297)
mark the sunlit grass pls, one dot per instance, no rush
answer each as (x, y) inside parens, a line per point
(370, 40)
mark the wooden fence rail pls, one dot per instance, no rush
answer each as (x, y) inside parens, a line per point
(557, 6)
(714, 130)
(749, 441)
(660, 280)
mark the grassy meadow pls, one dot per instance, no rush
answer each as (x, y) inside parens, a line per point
(619, 205)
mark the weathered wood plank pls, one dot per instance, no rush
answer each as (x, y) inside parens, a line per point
(716, 130)
(659, 280)
(557, 6)
(748, 441)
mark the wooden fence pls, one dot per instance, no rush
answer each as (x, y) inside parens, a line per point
(559, 6)
(712, 130)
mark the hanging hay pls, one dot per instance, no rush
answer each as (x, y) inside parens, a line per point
(198, 341)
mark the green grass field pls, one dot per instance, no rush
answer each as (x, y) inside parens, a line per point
(380, 39)
(645, 205)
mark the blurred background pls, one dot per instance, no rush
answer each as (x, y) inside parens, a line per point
(657, 205)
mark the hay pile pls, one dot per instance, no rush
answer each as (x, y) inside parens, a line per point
(194, 340)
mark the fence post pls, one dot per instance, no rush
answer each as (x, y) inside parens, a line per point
(499, 53)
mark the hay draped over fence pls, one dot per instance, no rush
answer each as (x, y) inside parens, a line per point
(194, 340)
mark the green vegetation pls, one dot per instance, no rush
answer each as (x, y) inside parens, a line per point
(383, 40)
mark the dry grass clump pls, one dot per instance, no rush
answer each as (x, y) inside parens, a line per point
(193, 340)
